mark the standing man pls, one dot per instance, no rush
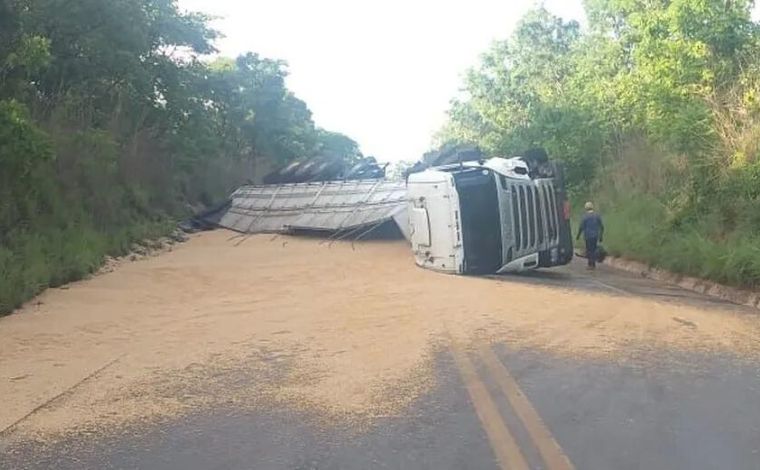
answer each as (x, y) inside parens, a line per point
(593, 231)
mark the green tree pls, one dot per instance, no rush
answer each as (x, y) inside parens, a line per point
(114, 120)
(518, 97)
(338, 146)
(655, 111)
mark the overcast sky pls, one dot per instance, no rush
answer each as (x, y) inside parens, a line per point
(382, 72)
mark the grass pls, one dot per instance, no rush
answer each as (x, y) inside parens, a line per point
(32, 260)
(638, 228)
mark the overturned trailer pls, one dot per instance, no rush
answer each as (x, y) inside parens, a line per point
(472, 217)
(348, 207)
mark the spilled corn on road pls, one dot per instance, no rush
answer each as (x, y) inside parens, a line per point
(282, 352)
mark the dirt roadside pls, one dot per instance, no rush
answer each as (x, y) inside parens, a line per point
(344, 331)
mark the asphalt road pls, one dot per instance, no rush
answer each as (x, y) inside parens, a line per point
(492, 408)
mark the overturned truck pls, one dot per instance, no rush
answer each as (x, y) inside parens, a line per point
(462, 214)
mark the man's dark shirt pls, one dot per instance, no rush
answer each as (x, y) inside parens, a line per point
(591, 226)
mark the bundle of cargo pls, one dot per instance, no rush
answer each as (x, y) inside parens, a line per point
(325, 169)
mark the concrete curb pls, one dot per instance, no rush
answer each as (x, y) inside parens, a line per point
(709, 288)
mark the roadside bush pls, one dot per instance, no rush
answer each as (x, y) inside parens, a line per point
(56, 229)
(639, 227)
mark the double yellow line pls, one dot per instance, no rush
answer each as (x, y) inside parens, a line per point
(502, 441)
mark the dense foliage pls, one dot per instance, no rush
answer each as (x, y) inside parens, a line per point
(655, 109)
(113, 120)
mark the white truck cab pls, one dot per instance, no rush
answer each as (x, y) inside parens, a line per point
(482, 217)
